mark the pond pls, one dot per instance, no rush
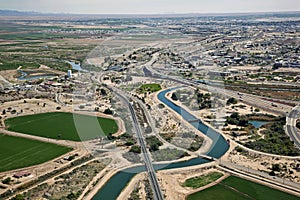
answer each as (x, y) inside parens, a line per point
(258, 124)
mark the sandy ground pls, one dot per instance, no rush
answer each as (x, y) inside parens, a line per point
(294, 70)
(264, 163)
(171, 182)
(207, 141)
(39, 170)
(11, 75)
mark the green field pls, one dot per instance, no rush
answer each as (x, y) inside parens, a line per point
(153, 87)
(17, 152)
(60, 125)
(203, 180)
(234, 188)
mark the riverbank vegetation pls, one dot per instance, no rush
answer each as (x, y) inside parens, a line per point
(274, 140)
(200, 181)
(153, 143)
(168, 154)
(30, 46)
(149, 88)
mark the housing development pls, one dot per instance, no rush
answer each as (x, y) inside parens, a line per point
(187, 106)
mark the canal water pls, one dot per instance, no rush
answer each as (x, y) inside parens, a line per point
(76, 66)
(24, 75)
(115, 185)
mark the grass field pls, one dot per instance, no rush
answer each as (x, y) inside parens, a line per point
(17, 152)
(59, 125)
(153, 87)
(234, 188)
(203, 180)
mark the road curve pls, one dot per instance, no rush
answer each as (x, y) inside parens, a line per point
(291, 128)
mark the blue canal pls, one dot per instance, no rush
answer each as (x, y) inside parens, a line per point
(115, 185)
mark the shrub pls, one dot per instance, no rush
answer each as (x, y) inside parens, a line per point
(231, 101)
(6, 181)
(108, 111)
(135, 149)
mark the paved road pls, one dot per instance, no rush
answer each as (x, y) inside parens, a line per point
(291, 128)
(250, 99)
(148, 163)
(263, 176)
(158, 195)
(253, 100)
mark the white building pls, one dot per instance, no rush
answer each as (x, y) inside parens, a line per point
(70, 73)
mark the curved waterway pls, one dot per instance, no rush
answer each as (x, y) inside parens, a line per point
(24, 76)
(114, 186)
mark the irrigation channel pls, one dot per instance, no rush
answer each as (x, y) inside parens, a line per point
(114, 186)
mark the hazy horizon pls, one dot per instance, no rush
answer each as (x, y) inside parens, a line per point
(151, 7)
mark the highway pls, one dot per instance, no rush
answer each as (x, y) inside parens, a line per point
(157, 193)
(253, 100)
(291, 128)
(148, 163)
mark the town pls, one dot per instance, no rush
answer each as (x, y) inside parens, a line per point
(158, 107)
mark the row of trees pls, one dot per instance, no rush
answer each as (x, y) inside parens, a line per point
(236, 119)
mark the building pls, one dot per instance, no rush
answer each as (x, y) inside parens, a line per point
(70, 75)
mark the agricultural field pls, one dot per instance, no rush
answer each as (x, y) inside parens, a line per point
(153, 87)
(26, 152)
(63, 126)
(234, 188)
(30, 46)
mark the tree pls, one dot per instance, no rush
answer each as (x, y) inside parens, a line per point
(298, 124)
(111, 137)
(148, 129)
(135, 149)
(108, 111)
(18, 197)
(276, 167)
(3, 112)
(130, 142)
(6, 181)
(154, 147)
(272, 173)
(103, 92)
(231, 101)
(81, 106)
(174, 97)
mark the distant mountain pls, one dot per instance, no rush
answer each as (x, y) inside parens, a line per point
(17, 13)
(32, 13)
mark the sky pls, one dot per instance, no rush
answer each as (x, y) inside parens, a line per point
(150, 6)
